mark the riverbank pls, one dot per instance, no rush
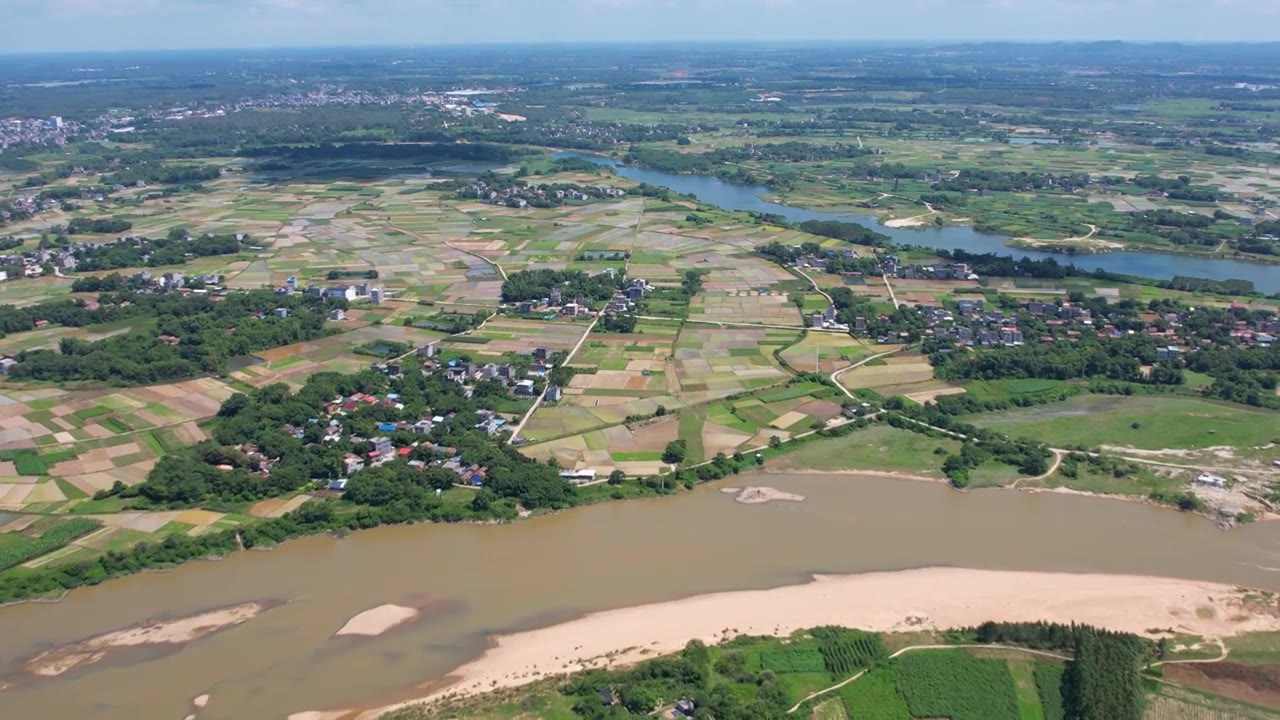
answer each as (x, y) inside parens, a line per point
(882, 602)
(1155, 263)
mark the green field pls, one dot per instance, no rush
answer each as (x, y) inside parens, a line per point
(1003, 390)
(1145, 422)
(879, 447)
(16, 549)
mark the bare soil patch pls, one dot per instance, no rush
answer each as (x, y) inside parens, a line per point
(1254, 684)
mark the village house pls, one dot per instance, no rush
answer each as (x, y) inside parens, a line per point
(352, 464)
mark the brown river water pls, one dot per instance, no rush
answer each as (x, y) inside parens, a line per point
(497, 579)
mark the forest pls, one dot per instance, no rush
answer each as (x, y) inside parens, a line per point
(174, 249)
(191, 335)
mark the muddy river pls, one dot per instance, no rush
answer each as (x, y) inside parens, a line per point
(477, 580)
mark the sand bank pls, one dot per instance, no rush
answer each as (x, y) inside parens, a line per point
(904, 222)
(162, 632)
(760, 495)
(376, 621)
(912, 599)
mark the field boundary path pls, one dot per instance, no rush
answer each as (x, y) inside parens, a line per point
(820, 291)
(913, 648)
(835, 376)
(892, 296)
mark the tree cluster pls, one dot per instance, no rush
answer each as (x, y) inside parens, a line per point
(191, 335)
(528, 285)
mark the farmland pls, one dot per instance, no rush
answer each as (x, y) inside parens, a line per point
(908, 375)
(1143, 422)
(923, 679)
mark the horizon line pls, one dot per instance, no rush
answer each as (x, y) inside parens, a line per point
(744, 42)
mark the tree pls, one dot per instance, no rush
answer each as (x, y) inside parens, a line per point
(483, 500)
(675, 452)
(617, 477)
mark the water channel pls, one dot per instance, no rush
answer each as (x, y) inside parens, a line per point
(494, 579)
(1161, 266)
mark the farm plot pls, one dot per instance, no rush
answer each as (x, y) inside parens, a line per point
(568, 418)
(661, 257)
(894, 375)
(635, 450)
(768, 308)
(826, 352)
(503, 336)
(293, 364)
(936, 684)
(50, 417)
(750, 422)
(712, 362)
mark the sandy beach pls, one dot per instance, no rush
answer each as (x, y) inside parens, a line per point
(376, 621)
(907, 600)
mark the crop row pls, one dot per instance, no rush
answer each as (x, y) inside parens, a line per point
(52, 539)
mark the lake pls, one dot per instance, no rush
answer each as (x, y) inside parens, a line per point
(502, 578)
(1161, 266)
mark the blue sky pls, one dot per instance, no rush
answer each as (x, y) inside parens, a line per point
(58, 25)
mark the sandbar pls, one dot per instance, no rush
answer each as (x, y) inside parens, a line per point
(904, 222)
(376, 621)
(930, 598)
(51, 663)
(760, 495)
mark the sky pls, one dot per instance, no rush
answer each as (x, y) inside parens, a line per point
(69, 25)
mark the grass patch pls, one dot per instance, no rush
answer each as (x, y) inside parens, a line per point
(1024, 687)
(1259, 647)
(636, 456)
(1002, 390)
(155, 443)
(92, 412)
(1147, 422)
(878, 447)
(116, 425)
(70, 491)
(690, 431)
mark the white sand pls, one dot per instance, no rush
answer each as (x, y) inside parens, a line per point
(167, 632)
(317, 715)
(377, 620)
(904, 222)
(201, 701)
(912, 599)
(760, 495)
